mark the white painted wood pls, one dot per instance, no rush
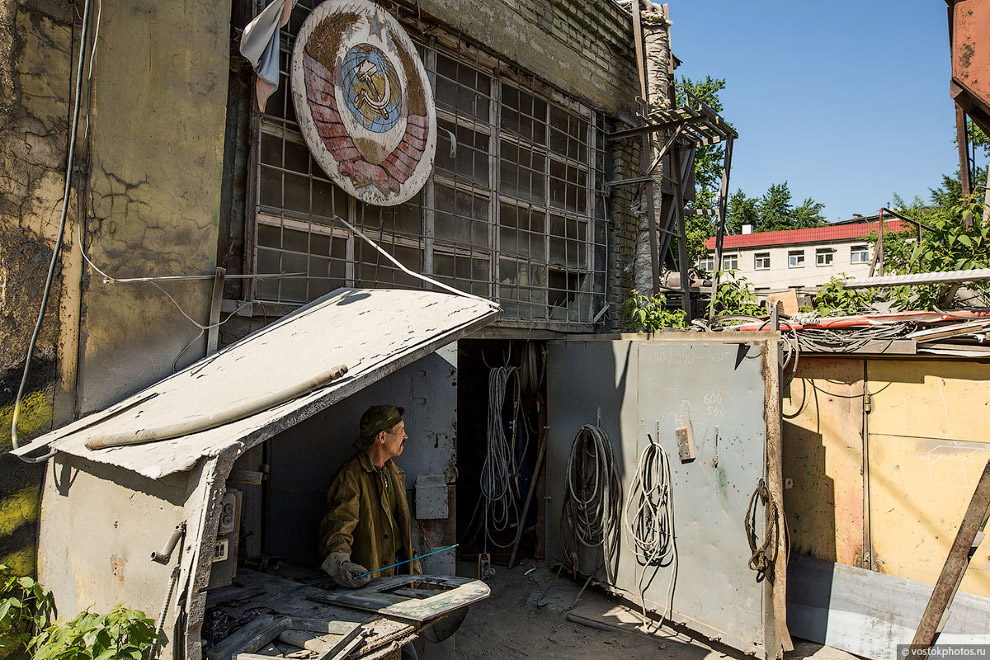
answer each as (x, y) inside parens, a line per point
(372, 332)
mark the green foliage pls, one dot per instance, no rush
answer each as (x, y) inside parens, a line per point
(742, 210)
(833, 299)
(774, 211)
(645, 314)
(121, 634)
(946, 244)
(25, 610)
(735, 296)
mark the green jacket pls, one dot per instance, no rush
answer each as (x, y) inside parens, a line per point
(357, 520)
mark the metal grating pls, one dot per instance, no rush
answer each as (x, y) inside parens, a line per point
(514, 210)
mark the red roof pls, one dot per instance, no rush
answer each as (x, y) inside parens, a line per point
(825, 234)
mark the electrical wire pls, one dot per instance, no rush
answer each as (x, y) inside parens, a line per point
(764, 555)
(500, 471)
(73, 128)
(594, 505)
(649, 521)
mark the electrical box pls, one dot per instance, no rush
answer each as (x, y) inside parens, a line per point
(224, 568)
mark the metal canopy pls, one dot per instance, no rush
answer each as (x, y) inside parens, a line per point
(373, 332)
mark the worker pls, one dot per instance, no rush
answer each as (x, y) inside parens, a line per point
(366, 525)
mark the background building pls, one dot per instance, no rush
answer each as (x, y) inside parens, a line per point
(801, 257)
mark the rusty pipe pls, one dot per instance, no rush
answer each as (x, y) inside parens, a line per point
(206, 422)
(165, 554)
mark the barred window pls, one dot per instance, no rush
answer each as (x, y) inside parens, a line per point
(513, 210)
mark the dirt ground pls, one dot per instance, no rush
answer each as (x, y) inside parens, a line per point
(526, 617)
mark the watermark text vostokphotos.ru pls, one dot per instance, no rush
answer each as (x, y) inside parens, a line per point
(908, 651)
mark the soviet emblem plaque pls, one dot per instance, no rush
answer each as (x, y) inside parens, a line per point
(363, 101)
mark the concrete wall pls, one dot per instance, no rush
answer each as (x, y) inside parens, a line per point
(147, 177)
(585, 48)
(35, 40)
(156, 151)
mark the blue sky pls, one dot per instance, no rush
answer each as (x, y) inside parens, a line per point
(846, 101)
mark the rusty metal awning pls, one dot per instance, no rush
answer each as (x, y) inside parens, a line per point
(373, 332)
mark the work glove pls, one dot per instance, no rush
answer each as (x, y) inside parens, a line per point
(338, 565)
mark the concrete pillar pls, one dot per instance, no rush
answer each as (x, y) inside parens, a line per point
(656, 42)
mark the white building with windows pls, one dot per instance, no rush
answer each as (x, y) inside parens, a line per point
(795, 258)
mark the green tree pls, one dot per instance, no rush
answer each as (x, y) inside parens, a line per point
(742, 210)
(946, 244)
(809, 214)
(776, 210)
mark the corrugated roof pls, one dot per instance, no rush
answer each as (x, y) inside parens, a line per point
(371, 331)
(811, 235)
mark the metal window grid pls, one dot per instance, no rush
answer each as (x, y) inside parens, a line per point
(514, 208)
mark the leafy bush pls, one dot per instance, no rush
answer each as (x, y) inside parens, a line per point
(645, 314)
(735, 296)
(833, 299)
(121, 634)
(25, 610)
(946, 244)
(26, 625)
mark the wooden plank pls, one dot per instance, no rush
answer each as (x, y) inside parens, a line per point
(869, 613)
(954, 330)
(876, 346)
(249, 638)
(381, 596)
(967, 539)
(213, 330)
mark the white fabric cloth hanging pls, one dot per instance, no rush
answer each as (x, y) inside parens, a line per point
(260, 45)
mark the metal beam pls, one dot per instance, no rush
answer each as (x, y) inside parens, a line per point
(944, 277)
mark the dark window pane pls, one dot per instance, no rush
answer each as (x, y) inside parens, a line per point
(470, 159)
(271, 187)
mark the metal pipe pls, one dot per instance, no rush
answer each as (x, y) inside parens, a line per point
(165, 554)
(207, 422)
(944, 277)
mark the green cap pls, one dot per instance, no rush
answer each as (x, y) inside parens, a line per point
(375, 420)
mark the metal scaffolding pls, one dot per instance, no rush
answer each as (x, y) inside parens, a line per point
(679, 132)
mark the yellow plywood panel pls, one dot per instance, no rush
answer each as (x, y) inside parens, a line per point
(823, 459)
(919, 491)
(930, 398)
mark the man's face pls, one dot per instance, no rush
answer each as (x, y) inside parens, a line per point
(395, 439)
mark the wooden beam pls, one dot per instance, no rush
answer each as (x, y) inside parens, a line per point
(213, 333)
(967, 540)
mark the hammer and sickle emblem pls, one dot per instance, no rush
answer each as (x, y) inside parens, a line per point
(370, 96)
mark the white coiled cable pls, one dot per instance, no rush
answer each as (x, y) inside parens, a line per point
(649, 518)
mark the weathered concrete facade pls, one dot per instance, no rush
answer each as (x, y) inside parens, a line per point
(35, 85)
(149, 177)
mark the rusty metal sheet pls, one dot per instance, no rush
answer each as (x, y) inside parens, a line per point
(823, 459)
(919, 490)
(372, 332)
(947, 399)
(970, 30)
